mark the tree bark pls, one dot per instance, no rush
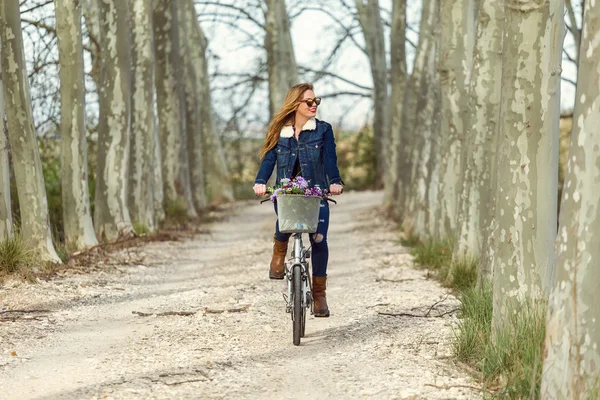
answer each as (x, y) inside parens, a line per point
(77, 216)
(27, 166)
(281, 62)
(216, 173)
(458, 19)
(142, 157)
(399, 78)
(370, 20)
(423, 204)
(192, 99)
(572, 345)
(170, 104)
(91, 13)
(477, 207)
(6, 221)
(111, 214)
(527, 167)
(411, 146)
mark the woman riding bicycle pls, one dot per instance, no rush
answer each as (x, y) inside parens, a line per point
(302, 145)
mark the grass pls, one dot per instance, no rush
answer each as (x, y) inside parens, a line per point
(140, 228)
(176, 213)
(510, 360)
(16, 257)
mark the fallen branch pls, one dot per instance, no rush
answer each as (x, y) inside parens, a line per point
(394, 280)
(164, 314)
(446, 387)
(24, 311)
(240, 309)
(378, 304)
(418, 316)
(435, 304)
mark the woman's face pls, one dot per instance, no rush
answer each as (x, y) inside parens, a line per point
(304, 109)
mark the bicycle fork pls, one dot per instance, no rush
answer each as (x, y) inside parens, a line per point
(299, 259)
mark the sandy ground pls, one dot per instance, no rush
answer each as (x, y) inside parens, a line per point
(92, 344)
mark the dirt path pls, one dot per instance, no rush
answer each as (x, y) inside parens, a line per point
(92, 346)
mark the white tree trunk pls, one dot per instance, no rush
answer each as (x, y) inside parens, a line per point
(281, 62)
(458, 39)
(216, 173)
(192, 100)
(171, 108)
(111, 214)
(427, 130)
(527, 167)
(77, 216)
(142, 157)
(370, 20)
(572, 345)
(6, 222)
(411, 144)
(480, 148)
(27, 166)
(91, 13)
(159, 194)
(398, 76)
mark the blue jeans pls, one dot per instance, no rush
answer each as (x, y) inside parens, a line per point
(320, 251)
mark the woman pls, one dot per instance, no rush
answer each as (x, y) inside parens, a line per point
(302, 145)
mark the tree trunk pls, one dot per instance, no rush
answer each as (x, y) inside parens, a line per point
(458, 39)
(192, 101)
(398, 76)
(370, 20)
(411, 146)
(6, 222)
(427, 130)
(142, 158)
(572, 343)
(91, 13)
(527, 168)
(281, 63)
(216, 173)
(170, 103)
(27, 166)
(77, 216)
(477, 206)
(158, 188)
(111, 214)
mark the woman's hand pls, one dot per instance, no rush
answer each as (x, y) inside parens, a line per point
(259, 189)
(336, 189)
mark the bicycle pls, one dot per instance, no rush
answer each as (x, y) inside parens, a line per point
(299, 286)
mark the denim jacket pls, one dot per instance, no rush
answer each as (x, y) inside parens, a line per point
(316, 149)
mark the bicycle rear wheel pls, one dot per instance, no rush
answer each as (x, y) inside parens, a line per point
(298, 312)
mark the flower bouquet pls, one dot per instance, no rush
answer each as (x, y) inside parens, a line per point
(298, 205)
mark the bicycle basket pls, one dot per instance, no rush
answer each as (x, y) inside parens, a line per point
(298, 213)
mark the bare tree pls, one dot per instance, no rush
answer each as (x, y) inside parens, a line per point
(398, 78)
(6, 222)
(142, 157)
(372, 26)
(27, 165)
(170, 104)
(458, 39)
(527, 167)
(478, 188)
(217, 178)
(572, 346)
(77, 217)
(111, 215)
(283, 72)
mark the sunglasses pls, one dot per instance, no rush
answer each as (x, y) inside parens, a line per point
(309, 102)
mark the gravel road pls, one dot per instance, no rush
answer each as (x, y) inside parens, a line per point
(94, 343)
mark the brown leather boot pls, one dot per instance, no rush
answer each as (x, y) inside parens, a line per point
(319, 297)
(276, 271)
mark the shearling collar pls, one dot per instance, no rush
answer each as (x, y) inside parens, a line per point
(288, 130)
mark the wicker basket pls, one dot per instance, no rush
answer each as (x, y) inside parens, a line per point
(298, 213)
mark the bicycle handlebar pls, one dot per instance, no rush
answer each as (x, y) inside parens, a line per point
(328, 199)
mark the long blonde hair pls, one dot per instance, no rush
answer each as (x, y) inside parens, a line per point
(285, 116)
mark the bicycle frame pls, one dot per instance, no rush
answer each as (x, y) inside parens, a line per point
(299, 259)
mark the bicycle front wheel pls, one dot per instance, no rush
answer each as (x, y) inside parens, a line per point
(298, 311)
